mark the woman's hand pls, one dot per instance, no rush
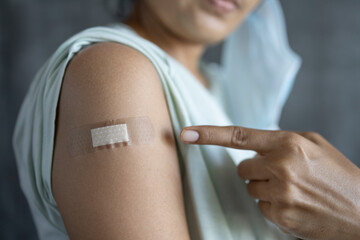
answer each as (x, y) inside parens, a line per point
(304, 185)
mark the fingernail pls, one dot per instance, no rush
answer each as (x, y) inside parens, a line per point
(189, 135)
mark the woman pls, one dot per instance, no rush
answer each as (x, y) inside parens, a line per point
(147, 76)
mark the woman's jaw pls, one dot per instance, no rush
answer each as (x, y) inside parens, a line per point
(184, 28)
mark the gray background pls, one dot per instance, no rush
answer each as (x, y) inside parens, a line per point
(326, 33)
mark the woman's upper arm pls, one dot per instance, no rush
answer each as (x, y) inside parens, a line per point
(131, 192)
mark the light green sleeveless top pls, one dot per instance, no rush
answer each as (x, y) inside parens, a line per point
(216, 201)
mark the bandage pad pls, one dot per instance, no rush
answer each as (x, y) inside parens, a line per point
(110, 134)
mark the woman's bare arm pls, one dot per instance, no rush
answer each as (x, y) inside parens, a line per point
(131, 192)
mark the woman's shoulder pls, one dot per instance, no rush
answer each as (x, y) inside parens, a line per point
(110, 49)
(114, 32)
(109, 73)
(111, 60)
(106, 58)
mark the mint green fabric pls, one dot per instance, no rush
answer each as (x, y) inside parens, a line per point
(216, 201)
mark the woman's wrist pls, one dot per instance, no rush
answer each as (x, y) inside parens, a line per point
(354, 228)
(357, 203)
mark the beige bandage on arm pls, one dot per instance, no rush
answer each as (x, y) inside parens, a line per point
(110, 134)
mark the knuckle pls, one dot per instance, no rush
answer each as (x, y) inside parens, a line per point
(292, 138)
(284, 172)
(287, 174)
(313, 136)
(294, 143)
(310, 135)
(238, 137)
(288, 196)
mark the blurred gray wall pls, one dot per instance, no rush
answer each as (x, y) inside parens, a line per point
(326, 33)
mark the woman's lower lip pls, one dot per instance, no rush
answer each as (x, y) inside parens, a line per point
(223, 6)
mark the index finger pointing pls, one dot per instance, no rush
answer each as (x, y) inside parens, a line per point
(231, 136)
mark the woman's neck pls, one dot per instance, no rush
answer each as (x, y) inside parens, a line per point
(152, 29)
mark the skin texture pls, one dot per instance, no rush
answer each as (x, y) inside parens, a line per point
(304, 185)
(133, 192)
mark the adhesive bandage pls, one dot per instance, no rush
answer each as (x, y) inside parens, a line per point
(110, 134)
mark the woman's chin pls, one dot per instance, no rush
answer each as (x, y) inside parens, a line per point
(211, 39)
(209, 29)
(209, 36)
